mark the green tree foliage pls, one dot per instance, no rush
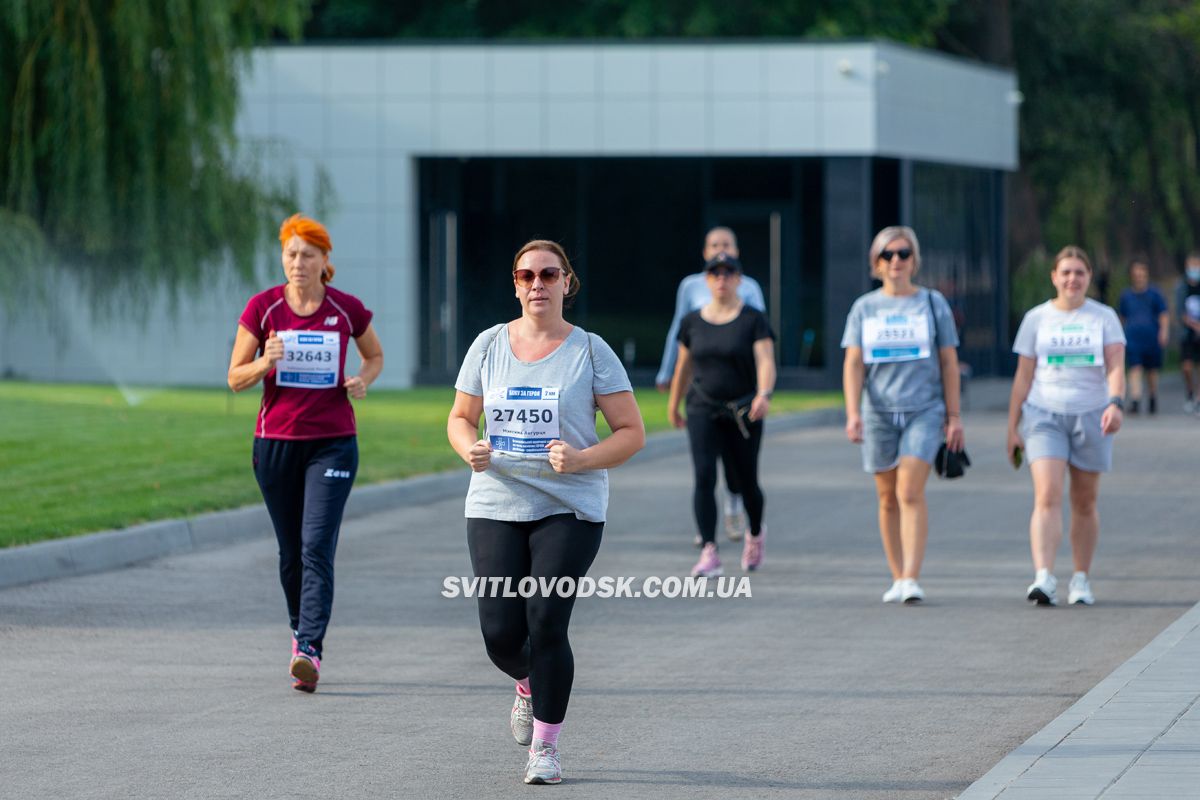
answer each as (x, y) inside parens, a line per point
(912, 21)
(117, 151)
(1110, 127)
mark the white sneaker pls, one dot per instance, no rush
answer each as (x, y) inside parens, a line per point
(892, 595)
(1080, 590)
(543, 765)
(911, 591)
(1044, 589)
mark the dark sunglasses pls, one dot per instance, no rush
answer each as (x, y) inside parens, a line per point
(904, 253)
(723, 272)
(549, 276)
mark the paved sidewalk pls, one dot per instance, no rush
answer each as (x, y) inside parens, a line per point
(1136, 736)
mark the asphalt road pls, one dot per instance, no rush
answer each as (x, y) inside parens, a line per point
(169, 679)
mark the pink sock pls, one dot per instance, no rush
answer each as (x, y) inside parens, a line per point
(523, 688)
(545, 731)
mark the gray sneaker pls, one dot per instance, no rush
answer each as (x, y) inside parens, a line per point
(736, 525)
(543, 765)
(520, 722)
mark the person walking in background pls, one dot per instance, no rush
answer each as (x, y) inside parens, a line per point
(726, 369)
(293, 338)
(539, 488)
(1143, 311)
(1187, 306)
(693, 293)
(1065, 406)
(901, 382)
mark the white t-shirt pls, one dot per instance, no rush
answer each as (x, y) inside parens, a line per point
(1068, 347)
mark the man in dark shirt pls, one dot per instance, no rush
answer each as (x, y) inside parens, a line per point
(1187, 306)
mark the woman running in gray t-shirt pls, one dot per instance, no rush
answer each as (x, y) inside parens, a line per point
(539, 491)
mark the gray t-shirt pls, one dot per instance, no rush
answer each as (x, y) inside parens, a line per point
(908, 385)
(522, 486)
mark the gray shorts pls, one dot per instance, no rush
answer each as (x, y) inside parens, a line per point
(1074, 438)
(888, 436)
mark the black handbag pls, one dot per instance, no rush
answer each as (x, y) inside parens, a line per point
(948, 463)
(951, 463)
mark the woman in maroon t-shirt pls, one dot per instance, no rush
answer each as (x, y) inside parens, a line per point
(294, 339)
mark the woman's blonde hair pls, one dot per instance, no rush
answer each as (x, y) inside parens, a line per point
(1072, 251)
(889, 235)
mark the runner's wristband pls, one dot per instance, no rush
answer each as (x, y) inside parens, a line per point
(1116, 401)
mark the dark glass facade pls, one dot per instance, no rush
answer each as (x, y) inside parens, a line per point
(958, 215)
(634, 227)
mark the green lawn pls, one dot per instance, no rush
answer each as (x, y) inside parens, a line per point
(82, 458)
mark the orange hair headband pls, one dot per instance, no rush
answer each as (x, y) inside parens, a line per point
(312, 232)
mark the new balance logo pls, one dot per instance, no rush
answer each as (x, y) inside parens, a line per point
(331, 320)
(337, 473)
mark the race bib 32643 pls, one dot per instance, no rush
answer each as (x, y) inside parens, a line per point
(310, 359)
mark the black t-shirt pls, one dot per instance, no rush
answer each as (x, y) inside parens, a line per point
(723, 355)
(1186, 292)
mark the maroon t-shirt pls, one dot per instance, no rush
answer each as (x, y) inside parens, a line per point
(298, 411)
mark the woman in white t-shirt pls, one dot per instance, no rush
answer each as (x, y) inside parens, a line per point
(1065, 407)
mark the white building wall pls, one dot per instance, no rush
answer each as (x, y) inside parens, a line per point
(365, 114)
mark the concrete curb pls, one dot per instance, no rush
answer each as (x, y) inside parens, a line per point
(1010, 768)
(98, 552)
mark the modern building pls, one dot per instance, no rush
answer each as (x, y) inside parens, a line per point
(433, 163)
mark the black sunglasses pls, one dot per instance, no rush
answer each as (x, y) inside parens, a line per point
(724, 272)
(904, 253)
(549, 276)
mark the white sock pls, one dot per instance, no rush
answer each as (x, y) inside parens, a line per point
(733, 504)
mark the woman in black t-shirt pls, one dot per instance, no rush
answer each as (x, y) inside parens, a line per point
(726, 367)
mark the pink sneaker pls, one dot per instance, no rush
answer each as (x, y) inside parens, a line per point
(709, 565)
(305, 669)
(752, 550)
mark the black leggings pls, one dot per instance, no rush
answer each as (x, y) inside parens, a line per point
(527, 637)
(305, 485)
(714, 437)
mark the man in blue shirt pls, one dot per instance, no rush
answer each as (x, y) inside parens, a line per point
(692, 294)
(1147, 323)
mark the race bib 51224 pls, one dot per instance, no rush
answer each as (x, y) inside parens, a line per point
(1071, 344)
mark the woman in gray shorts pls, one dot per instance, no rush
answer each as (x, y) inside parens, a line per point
(1065, 407)
(902, 368)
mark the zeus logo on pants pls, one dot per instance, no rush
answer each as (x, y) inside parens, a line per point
(337, 473)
